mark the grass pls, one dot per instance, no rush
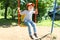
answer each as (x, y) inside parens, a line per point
(49, 23)
(14, 22)
(43, 23)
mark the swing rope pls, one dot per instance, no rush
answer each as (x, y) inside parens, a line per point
(36, 3)
(37, 9)
(18, 12)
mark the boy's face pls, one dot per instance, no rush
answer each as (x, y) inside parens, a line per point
(30, 8)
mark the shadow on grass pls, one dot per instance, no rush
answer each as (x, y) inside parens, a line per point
(5, 23)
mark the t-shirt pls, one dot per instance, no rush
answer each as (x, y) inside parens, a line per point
(28, 14)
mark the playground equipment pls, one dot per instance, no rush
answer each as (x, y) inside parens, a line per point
(22, 16)
(57, 13)
(18, 13)
(52, 21)
(35, 17)
(36, 8)
(53, 16)
(52, 28)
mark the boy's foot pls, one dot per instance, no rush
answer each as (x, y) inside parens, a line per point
(31, 37)
(34, 37)
(35, 34)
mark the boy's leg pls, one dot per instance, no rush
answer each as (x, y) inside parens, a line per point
(34, 28)
(29, 29)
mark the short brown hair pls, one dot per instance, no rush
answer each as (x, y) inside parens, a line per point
(29, 4)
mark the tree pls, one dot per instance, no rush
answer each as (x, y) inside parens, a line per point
(13, 6)
(5, 4)
(43, 6)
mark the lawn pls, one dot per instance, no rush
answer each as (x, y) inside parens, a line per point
(49, 23)
(14, 22)
(43, 23)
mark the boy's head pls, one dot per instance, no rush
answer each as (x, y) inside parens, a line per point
(30, 6)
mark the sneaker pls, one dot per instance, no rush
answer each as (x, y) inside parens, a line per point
(31, 37)
(35, 34)
(35, 38)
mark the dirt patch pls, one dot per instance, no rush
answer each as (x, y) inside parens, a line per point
(21, 33)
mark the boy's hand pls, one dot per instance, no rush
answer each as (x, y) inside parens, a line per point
(36, 11)
(19, 10)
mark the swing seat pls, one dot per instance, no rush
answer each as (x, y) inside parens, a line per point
(22, 20)
(22, 17)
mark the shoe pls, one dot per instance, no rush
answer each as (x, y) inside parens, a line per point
(31, 37)
(35, 35)
(38, 38)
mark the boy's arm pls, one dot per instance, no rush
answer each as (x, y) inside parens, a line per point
(21, 12)
(36, 11)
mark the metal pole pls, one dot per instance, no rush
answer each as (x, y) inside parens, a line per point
(53, 16)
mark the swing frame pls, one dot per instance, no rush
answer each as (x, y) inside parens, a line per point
(19, 12)
(36, 15)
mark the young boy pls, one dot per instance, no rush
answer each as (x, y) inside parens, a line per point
(28, 19)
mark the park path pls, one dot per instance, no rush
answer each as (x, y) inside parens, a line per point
(21, 33)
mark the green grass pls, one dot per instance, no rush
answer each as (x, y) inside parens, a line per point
(43, 23)
(48, 23)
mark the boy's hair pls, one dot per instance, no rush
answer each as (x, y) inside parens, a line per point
(29, 4)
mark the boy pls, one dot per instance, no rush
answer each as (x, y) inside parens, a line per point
(28, 19)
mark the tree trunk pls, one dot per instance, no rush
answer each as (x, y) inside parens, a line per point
(6, 12)
(6, 7)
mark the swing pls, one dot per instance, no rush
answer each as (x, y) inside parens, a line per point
(22, 16)
(55, 1)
